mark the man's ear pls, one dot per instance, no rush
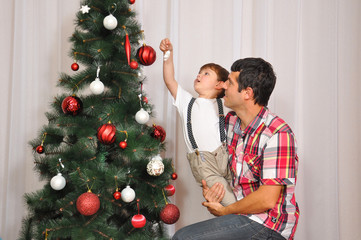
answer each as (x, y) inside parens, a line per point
(249, 93)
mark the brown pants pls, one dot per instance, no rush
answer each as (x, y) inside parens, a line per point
(212, 167)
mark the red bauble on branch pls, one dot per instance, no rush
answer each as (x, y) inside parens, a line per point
(169, 190)
(158, 133)
(146, 55)
(170, 214)
(133, 64)
(74, 66)
(117, 195)
(40, 149)
(174, 176)
(88, 204)
(72, 105)
(106, 133)
(138, 221)
(131, 1)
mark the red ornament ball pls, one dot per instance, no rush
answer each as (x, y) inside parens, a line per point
(40, 149)
(133, 64)
(106, 133)
(131, 1)
(72, 105)
(174, 176)
(158, 133)
(75, 66)
(170, 190)
(145, 99)
(123, 144)
(146, 55)
(170, 214)
(88, 204)
(117, 195)
(138, 221)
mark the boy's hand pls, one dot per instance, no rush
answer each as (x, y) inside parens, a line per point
(165, 45)
(213, 194)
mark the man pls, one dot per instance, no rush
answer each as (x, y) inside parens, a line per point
(262, 158)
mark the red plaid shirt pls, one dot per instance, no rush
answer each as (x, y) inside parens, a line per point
(265, 153)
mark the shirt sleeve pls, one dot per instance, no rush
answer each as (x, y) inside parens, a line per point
(280, 160)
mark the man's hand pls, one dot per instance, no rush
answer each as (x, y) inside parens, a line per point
(215, 208)
(213, 194)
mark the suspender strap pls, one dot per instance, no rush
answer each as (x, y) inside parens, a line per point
(221, 123)
(189, 124)
(222, 129)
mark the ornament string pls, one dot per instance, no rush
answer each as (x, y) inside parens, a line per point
(138, 206)
(61, 164)
(141, 93)
(116, 183)
(43, 139)
(114, 6)
(126, 135)
(90, 189)
(165, 199)
(98, 71)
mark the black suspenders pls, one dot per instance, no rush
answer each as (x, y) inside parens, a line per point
(189, 123)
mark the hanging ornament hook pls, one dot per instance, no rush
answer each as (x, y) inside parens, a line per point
(114, 6)
(61, 164)
(98, 70)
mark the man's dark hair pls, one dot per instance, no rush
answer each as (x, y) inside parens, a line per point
(257, 74)
(222, 74)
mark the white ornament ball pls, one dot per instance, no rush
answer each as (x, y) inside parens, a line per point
(155, 167)
(142, 116)
(110, 22)
(58, 182)
(166, 55)
(128, 194)
(97, 87)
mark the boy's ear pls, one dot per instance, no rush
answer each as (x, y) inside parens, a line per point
(219, 85)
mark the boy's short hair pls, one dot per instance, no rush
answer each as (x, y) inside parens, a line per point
(222, 74)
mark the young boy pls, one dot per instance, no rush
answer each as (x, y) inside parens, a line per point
(202, 122)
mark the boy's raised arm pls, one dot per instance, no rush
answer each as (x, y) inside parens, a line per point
(168, 67)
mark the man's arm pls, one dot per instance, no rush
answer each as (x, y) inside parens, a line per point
(168, 67)
(261, 200)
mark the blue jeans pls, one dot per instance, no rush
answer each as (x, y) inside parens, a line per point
(227, 227)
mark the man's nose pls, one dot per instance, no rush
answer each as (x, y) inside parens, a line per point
(221, 85)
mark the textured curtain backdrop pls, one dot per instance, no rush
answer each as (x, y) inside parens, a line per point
(314, 47)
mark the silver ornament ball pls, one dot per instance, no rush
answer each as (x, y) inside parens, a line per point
(97, 87)
(142, 116)
(110, 22)
(127, 194)
(58, 182)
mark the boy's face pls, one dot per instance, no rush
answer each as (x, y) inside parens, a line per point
(205, 83)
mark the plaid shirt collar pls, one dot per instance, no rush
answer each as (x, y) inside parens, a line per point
(253, 125)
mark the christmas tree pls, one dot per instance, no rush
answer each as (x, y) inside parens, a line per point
(98, 155)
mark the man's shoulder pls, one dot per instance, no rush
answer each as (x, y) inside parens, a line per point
(275, 124)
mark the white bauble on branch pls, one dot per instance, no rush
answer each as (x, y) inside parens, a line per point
(58, 182)
(110, 22)
(142, 116)
(97, 87)
(127, 194)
